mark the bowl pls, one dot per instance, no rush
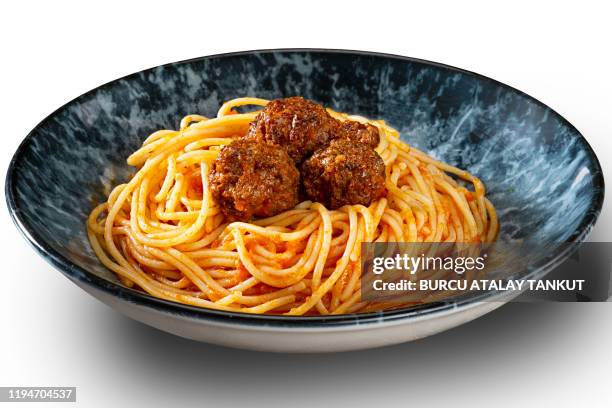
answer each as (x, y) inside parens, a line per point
(541, 174)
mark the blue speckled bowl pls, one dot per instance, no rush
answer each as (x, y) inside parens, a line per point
(540, 172)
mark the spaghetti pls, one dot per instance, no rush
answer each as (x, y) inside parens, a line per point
(162, 231)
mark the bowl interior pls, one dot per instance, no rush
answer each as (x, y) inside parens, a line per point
(540, 173)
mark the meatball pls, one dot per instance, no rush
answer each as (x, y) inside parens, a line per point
(298, 125)
(344, 173)
(359, 133)
(249, 179)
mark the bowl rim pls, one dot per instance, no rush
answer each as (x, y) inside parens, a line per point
(76, 273)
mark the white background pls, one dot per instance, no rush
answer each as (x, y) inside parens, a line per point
(51, 333)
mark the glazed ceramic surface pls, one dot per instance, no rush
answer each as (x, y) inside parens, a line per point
(540, 173)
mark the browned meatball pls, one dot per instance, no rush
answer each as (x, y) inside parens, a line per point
(296, 124)
(344, 173)
(360, 133)
(249, 179)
